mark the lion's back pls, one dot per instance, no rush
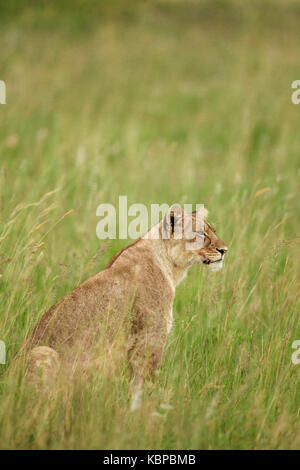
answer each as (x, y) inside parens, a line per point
(81, 313)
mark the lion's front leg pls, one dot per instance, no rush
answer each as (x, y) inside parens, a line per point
(145, 358)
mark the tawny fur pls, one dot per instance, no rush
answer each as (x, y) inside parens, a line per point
(127, 305)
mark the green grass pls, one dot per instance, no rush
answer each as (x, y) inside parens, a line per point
(163, 102)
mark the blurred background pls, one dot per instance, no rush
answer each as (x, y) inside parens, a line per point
(163, 101)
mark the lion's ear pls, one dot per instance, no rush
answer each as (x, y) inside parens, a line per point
(205, 212)
(172, 220)
(202, 212)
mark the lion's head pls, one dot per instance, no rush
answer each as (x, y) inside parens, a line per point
(192, 239)
(214, 249)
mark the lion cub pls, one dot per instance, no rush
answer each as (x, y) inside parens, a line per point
(131, 299)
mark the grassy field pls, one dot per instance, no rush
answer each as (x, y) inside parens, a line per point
(164, 102)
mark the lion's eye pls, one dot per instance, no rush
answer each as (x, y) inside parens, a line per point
(203, 234)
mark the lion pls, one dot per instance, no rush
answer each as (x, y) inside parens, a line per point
(131, 299)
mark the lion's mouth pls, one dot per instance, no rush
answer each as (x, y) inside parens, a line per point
(208, 261)
(215, 265)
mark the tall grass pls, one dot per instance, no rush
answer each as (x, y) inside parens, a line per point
(162, 102)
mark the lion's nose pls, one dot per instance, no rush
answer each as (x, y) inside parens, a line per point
(222, 250)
